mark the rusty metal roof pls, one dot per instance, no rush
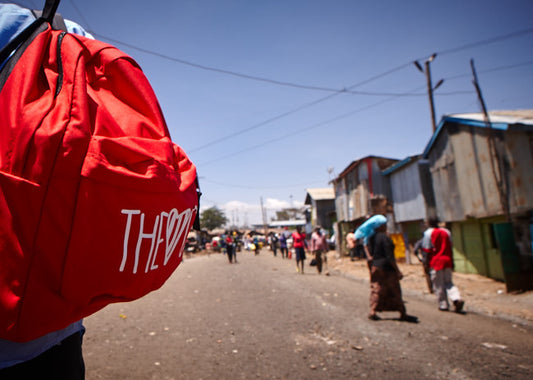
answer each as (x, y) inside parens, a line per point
(319, 194)
(498, 120)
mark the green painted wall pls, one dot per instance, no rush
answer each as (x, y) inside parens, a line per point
(475, 249)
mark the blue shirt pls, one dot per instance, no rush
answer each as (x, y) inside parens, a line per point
(14, 19)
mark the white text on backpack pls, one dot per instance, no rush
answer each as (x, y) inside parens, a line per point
(169, 228)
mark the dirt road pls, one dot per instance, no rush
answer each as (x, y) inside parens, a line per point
(261, 319)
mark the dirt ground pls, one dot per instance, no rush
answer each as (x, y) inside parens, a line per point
(481, 294)
(260, 319)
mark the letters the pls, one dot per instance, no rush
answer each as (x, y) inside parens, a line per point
(170, 228)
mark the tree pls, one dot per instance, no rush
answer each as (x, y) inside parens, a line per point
(289, 214)
(212, 218)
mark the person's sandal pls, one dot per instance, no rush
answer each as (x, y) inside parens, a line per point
(373, 317)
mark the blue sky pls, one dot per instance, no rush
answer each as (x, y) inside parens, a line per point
(253, 139)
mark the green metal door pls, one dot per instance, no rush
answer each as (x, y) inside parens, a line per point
(473, 246)
(506, 243)
(493, 254)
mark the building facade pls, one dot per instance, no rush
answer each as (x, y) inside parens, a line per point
(322, 203)
(483, 189)
(361, 190)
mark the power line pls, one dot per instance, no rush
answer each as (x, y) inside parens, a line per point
(299, 185)
(279, 138)
(255, 126)
(242, 75)
(487, 41)
(286, 83)
(343, 116)
(454, 93)
(297, 109)
(494, 69)
(214, 69)
(292, 84)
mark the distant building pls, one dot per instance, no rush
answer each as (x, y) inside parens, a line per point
(287, 223)
(322, 202)
(360, 191)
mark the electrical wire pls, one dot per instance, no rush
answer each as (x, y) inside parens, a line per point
(295, 110)
(242, 75)
(487, 41)
(335, 93)
(494, 69)
(292, 84)
(348, 90)
(455, 93)
(299, 131)
(299, 185)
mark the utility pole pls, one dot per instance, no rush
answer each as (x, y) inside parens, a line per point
(427, 71)
(263, 214)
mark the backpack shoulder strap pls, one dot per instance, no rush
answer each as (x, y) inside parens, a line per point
(58, 23)
(14, 49)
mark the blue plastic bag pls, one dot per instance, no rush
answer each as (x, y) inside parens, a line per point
(368, 228)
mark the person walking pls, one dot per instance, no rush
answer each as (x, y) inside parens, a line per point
(385, 276)
(230, 248)
(283, 245)
(257, 248)
(236, 248)
(437, 243)
(274, 243)
(319, 246)
(300, 245)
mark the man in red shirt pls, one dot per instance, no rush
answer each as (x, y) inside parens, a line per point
(437, 244)
(299, 244)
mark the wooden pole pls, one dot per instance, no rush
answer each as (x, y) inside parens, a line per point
(499, 173)
(430, 94)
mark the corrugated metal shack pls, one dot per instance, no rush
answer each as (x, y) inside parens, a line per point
(482, 179)
(361, 190)
(408, 197)
(322, 202)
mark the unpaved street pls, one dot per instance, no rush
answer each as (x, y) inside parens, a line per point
(261, 319)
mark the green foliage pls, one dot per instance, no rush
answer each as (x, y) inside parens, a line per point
(212, 218)
(288, 214)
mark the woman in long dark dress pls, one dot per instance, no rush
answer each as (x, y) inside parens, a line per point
(385, 276)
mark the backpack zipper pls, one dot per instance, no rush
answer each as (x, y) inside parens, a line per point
(59, 83)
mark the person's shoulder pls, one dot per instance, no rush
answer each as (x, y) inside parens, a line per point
(440, 232)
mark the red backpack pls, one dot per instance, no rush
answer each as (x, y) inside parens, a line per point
(96, 201)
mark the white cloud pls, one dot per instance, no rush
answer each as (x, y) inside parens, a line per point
(276, 204)
(242, 213)
(245, 214)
